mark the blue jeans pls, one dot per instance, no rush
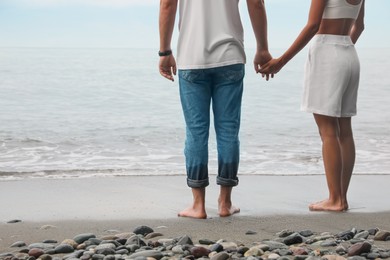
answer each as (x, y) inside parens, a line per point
(199, 88)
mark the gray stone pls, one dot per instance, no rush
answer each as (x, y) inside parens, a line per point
(346, 235)
(98, 257)
(228, 246)
(216, 248)
(284, 258)
(148, 253)
(250, 232)
(63, 249)
(294, 238)
(373, 231)
(242, 249)
(254, 251)
(333, 257)
(328, 243)
(75, 255)
(283, 252)
(185, 240)
(50, 241)
(83, 237)
(306, 233)
(19, 244)
(153, 235)
(45, 257)
(220, 256)
(356, 258)
(285, 233)
(143, 230)
(322, 237)
(43, 246)
(123, 251)
(105, 251)
(373, 255)
(341, 250)
(105, 246)
(13, 221)
(273, 256)
(206, 242)
(178, 249)
(132, 248)
(135, 240)
(363, 234)
(274, 245)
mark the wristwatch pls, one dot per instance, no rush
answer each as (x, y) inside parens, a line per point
(164, 53)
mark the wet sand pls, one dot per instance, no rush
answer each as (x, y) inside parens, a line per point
(60, 209)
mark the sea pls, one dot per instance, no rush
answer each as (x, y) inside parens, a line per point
(79, 113)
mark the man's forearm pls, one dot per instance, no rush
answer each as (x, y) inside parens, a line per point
(258, 16)
(166, 23)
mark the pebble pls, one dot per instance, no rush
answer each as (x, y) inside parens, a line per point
(35, 252)
(199, 251)
(143, 230)
(220, 256)
(382, 235)
(63, 249)
(83, 237)
(216, 248)
(294, 238)
(353, 244)
(13, 221)
(359, 248)
(250, 232)
(19, 244)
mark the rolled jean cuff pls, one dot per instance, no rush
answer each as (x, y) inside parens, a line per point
(197, 183)
(227, 182)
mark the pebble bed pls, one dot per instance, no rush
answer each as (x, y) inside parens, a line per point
(143, 243)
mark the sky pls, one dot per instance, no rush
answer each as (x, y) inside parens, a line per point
(134, 23)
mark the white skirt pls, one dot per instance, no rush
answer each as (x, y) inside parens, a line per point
(331, 78)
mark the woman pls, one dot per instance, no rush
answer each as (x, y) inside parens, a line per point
(330, 87)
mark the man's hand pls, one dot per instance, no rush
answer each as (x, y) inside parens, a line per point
(261, 58)
(167, 67)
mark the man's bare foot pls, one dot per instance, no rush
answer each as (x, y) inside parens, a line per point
(192, 213)
(227, 210)
(327, 205)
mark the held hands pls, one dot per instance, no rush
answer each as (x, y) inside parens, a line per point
(261, 58)
(272, 67)
(167, 67)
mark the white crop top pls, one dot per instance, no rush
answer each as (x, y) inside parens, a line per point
(339, 9)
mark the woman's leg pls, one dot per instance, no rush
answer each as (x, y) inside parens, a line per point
(347, 145)
(332, 156)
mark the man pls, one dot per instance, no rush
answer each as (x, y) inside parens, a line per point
(211, 62)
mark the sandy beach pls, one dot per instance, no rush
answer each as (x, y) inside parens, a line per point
(59, 209)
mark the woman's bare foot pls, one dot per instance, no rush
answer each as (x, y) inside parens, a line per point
(191, 212)
(327, 205)
(226, 211)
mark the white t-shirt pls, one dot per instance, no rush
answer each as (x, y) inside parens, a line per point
(211, 34)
